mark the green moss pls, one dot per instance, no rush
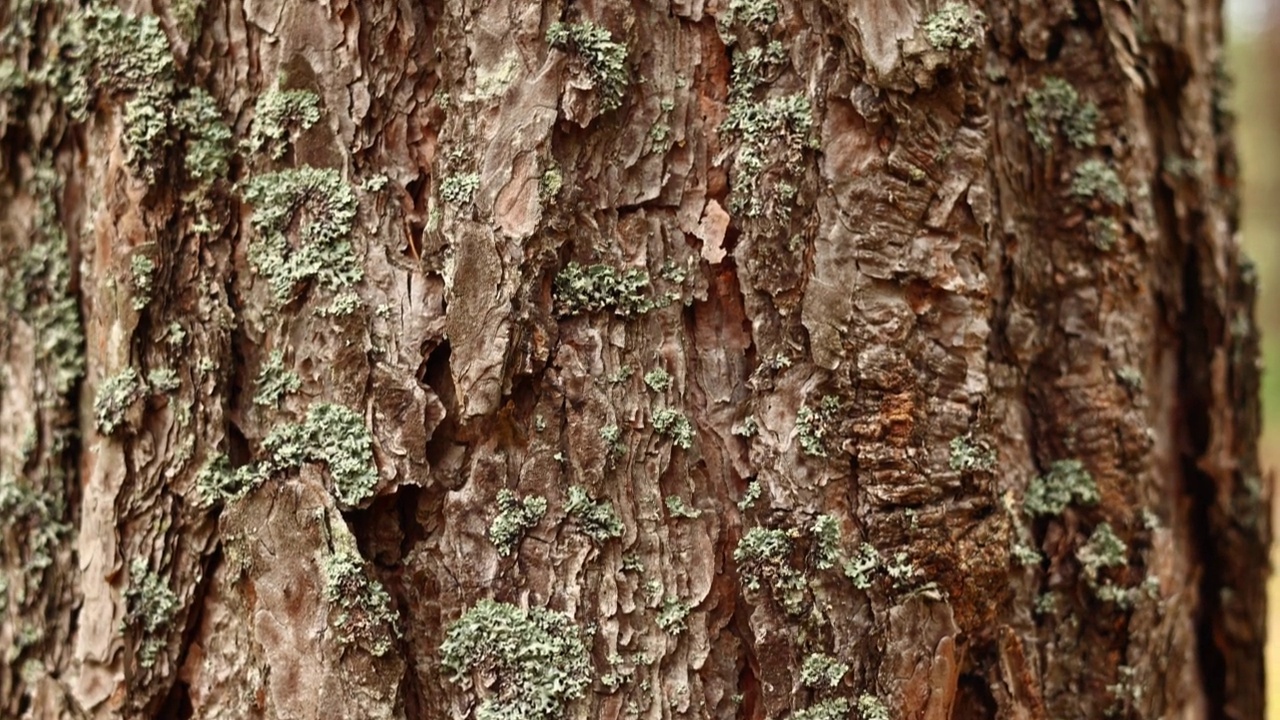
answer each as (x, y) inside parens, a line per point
(150, 607)
(1066, 483)
(658, 380)
(597, 519)
(677, 508)
(323, 207)
(969, 455)
(826, 541)
(953, 27)
(776, 129)
(163, 380)
(535, 660)
(335, 436)
(460, 189)
(604, 59)
(673, 424)
(871, 707)
(1057, 108)
(280, 116)
(831, 709)
(594, 288)
(1095, 178)
(515, 517)
(115, 396)
(142, 270)
(208, 139)
(275, 381)
(821, 670)
(673, 616)
(364, 615)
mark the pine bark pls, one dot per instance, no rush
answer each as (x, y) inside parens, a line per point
(837, 359)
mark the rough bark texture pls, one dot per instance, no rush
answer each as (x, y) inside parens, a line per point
(761, 359)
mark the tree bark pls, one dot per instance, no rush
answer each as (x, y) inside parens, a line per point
(761, 359)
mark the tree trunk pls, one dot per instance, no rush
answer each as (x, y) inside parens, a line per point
(771, 359)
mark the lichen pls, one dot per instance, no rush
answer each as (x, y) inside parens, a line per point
(365, 617)
(604, 59)
(1104, 549)
(658, 380)
(1066, 483)
(673, 616)
(115, 52)
(612, 436)
(323, 207)
(333, 435)
(1105, 232)
(142, 270)
(955, 26)
(115, 396)
(1024, 554)
(274, 381)
(757, 13)
(830, 709)
(763, 556)
(1095, 178)
(594, 288)
(860, 567)
(673, 424)
(969, 455)
(821, 670)
(1058, 108)
(280, 116)
(678, 508)
(871, 707)
(163, 380)
(826, 541)
(811, 426)
(460, 189)
(775, 129)
(150, 606)
(596, 519)
(208, 139)
(750, 495)
(534, 660)
(515, 517)
(218, 482)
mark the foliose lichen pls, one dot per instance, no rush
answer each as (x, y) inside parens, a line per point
(115, 396)
(333, 435)
(673, 424)
(860, 567)
(658, 380)
(830, 709)
(593, 288)
(280, 116)
(673, 616)
(612, 436)
(757, 13)
(775, 129)
(142, 270)
(603, 58)
(821, 670)
(535, 660)
(1104, 549)
(750, 495)
(274, 380)
(364, 617)
(1058, 108)
(150, 606)
(515, 517)
(970, 455)
(324, 207)
(460, 189)
(1066, 483)
(811, 426)
(218, 482)
(955, 26)
(1095, 178)
(826, 541)
(163, 380)
(208, 139)
(678, 508)
(596, 519)
(871, 707)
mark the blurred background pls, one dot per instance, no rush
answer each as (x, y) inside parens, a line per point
(1254, 57)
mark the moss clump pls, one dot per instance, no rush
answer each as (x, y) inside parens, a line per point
(777, 129)
(953, 27)
(515, 517)
(826, 541)
(364, 617)
(821, 670)
(324, 207)
(275, 381)
(1058, 108)
(658, 380)
(969, 455)
(673, 424)
(678, 508)
(534, 661)
(604, 59)
(280, 116)
(1095, 178)
(832, 709)
(208, 139)
(596, 519)
(593, 288)
(460, 189)
(871, 707)
(860, 568)
(150, 606)
(335, 436)
(1066, 483)
(142, 270)
(115, 396)
(673, 615)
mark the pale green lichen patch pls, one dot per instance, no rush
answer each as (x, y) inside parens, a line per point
(955, 26)
(776, 129)
(333, 435)
(142, 270)
(115, 396)
(150, 607)
(208, 139)
(217, 481)
(826, 541)
(678, 508)
(515, 518)
(1058, 108)
(275, 380)
(594, 288)
(596, 519)
(1095, 178)
(830, 709)
(1104, 549)
(163, 380)
(757, 13)
(612, 436)
(1105, 232)
(763, 556)
(146, 133)
(750, 495)
(1024, 554)
(460, 189)
(603, 59)
(658, 380)
(365, 617)
(673, 616)
(530, 664)
(871, 707)
(1066, 483)
(970, 455)
(36, 514)
(821, 670)
(673, 424)
(280, 116)
(116, 52)
(863, 565)
(323, 207)
(811, 426)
